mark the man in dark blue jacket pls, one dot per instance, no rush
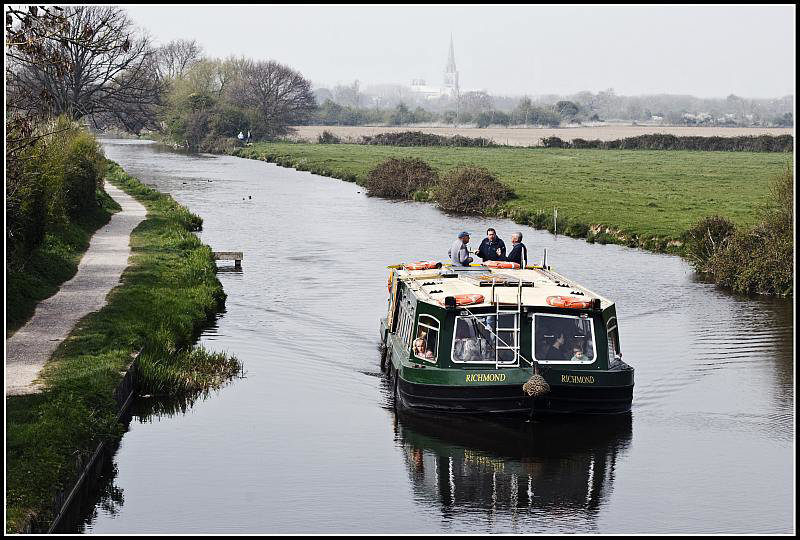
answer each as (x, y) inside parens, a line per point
(492, 248)
(519, 253)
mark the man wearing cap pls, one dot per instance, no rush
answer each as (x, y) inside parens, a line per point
(459, 254)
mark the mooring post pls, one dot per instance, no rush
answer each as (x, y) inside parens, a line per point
(555, 221)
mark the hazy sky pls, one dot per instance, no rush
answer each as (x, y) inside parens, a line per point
(707, 51)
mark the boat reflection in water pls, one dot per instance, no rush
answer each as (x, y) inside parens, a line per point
(515, 471)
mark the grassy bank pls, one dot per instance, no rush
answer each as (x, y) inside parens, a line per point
(635, 197)
(169, 291)
(40, 273)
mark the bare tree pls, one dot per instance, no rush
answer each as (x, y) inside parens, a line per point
(97, 68)
(476, 102)
(280, 95)
(176, 57)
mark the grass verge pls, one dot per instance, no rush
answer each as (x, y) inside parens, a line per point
(638, 198)
(52, 263)
(167, 293)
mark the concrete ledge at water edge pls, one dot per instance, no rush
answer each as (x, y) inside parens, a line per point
(235, 256)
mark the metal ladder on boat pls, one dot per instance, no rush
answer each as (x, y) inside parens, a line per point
(516, 316)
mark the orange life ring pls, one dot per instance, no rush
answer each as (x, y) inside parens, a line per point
(569, 302)
(466, 299)
(422, 265)
(502, 264)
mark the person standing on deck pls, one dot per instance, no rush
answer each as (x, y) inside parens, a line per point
(519, 253)
(492, 248)
(458, 253)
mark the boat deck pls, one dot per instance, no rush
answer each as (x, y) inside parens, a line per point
(538, 284)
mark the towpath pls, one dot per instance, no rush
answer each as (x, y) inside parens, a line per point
(99, 271)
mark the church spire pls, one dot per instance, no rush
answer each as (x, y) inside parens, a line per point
(451, 58)
(450, 72)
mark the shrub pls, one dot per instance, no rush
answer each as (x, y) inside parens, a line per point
(554, 142)
(326, 137)
(470, 189)
(758, 259)
(666, 141)
(49, 182)
(418, 138)
(703, 240)
(83, 174)
(761, 259)
(576, 229)
(400, 178)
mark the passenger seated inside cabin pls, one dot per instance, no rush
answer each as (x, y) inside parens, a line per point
(577, 352)
(563, 338)
(420, 350)
(555, 346)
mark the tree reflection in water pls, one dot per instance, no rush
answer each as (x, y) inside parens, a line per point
(560, 466)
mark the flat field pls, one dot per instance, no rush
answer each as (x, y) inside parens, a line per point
(521, 136)
(646, 193)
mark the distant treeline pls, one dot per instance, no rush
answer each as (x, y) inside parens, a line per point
(333, 114)
(663, 141)
(656, 141)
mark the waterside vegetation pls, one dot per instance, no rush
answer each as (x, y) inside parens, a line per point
(167, 294)
(755, 259)
(54, 203)
(638, 198)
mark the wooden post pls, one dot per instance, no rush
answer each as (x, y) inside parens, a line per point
(555, 221)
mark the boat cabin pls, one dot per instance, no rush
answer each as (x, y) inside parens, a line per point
(474, 316)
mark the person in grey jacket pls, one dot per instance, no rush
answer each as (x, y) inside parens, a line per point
(459, 253)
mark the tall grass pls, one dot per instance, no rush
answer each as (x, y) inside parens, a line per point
(167, 294)
(164, 369)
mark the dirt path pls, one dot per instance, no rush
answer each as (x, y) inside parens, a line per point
(99, 271)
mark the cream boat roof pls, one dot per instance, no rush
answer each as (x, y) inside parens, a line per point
(545, 283)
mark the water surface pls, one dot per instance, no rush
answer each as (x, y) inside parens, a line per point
(308, 440)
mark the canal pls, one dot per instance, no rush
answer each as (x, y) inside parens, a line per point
(307, 440)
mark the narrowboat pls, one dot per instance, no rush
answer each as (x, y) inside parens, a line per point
(476, 339)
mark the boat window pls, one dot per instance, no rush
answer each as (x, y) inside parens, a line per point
(476, 338)
(563, 339)
(426, 344)
(406, 317)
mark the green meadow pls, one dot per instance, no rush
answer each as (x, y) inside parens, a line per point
(640, 193)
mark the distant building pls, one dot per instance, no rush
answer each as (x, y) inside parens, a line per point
(450, 87)
(451, 73)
